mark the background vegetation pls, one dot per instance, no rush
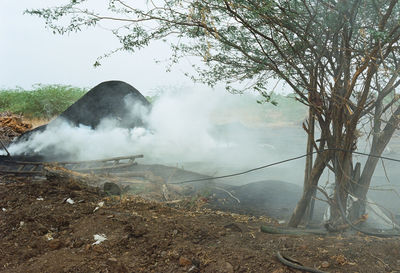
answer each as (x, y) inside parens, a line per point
(43, 101)
(48, 101)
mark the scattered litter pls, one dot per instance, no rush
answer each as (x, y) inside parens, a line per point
(281, 221)
(21, 223)
(40, 198)
(4, 209)
(99, 205)
(70, 201)
(99, 238)
(49, 236)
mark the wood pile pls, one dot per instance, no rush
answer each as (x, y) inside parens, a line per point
(11, 126)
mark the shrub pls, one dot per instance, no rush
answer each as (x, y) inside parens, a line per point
(44, 101)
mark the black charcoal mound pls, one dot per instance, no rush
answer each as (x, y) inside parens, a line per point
(106, 100)
(114, 100)
(268, 197)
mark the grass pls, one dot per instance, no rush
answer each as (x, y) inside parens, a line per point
(42, 102)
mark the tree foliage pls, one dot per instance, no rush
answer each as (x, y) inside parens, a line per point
(340, 57)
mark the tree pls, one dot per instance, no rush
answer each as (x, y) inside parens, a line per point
(340, 57)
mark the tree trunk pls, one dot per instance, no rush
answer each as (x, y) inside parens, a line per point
(309, 162)
(379, 143)
(356, 209)
(343, 174)
(308, 190)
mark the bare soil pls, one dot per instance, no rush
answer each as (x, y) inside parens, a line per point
(41, 230)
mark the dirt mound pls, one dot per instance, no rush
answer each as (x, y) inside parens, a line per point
(111, 99)
(54, 226)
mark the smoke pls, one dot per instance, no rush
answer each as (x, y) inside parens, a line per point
(206, 131)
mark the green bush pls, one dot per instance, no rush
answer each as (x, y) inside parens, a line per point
(44, 101)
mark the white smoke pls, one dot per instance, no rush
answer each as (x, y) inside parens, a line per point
(186, 128)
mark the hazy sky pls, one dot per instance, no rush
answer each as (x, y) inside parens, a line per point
(31, 54)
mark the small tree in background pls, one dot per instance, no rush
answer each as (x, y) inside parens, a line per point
(339, 57)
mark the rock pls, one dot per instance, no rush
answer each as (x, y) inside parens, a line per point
(98, 249)
(183, 261)
(234, 227)
(77, 243)
(222, 233)
(68, 242)
(325, 264)
(112, 189)
(74, 185)
(228, 268)
(174, 254)
(116, 266)
(55, 244)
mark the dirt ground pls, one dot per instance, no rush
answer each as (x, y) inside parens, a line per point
(50, 226)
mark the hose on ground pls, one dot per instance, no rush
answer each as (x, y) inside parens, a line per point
(297, 266)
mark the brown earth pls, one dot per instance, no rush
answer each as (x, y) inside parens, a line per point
(41, 231)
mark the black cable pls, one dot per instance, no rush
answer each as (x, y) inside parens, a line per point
(244, 172)
(371, 155)
(342, 212)
(297, 266)
(281, 162)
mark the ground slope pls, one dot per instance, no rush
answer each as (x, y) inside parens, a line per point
(41, 231)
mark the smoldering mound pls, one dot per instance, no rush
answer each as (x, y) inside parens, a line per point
(106, 100)
(267, 197)
(110, 101)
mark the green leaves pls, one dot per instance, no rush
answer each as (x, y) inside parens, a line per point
(244, 43)
(44, 101)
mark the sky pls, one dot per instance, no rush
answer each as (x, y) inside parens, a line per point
(31, 54)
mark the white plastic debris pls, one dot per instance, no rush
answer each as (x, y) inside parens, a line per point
(99, 205)
(21, 223)
(99, 238)
(4, 209)
(40, 198)
(49, 236)
(70, 201)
